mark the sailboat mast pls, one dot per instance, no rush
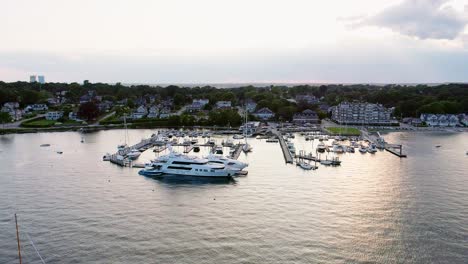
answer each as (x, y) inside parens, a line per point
(17, 239)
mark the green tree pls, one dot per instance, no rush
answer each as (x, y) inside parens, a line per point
(5, 117)
(88, 111)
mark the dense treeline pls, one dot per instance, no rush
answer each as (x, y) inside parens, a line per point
(407, 100)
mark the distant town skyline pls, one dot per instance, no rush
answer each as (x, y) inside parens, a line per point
(222, 42)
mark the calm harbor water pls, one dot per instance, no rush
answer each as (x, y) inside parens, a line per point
(76, 208)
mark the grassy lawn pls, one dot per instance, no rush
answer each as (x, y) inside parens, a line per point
(39, 123)
(348, 131)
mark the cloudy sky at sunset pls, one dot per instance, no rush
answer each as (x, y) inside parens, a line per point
(220, 41)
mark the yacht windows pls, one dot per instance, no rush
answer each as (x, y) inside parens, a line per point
(188, 163)
(178, 168)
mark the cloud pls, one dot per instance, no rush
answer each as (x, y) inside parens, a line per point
(423, 19)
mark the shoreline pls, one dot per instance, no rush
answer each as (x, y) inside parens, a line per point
(92, 128)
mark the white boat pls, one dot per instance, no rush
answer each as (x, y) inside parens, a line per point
(218, 150)
(362, 149)
(272, 140)
(321, 147)
(228, 143)
(306, 166)
(177, 164)
(238, 136)
(338, 148)
(291, 148)
(106, 157)
(246, 147)
(122, 147)
(230, 163)
(133, 154)
(372, 149)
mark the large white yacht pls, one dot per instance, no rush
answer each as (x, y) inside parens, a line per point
(229, 163)
(182, 165)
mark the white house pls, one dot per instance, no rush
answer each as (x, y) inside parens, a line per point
(37, 107)
(12, 108)
(139, 113)
(165, 113)
(54, 115)
(203, 102)
(153, 112)
(223, 104)
(440, 120)
(463, 119)
(74, 116)
(264, 114)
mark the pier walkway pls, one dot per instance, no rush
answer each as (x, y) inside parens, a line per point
(395, 149)
(238, 149)
(286, 153)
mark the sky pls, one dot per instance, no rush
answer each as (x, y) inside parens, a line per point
(241, 41)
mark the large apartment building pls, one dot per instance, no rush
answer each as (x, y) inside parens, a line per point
(363, 114)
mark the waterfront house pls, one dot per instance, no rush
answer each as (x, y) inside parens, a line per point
(36, 107)
(12, 108)
(54, 115)
(463, 119)
(412, 121)
(139, 113)
(165, 112)
(153, 112)
(443, 120)
(197, 105)
(264, 114)
(194, 107)
(223, 105)
(306, 117)
(453, 120)
(74, 116)
(440, 120)
(105, 106)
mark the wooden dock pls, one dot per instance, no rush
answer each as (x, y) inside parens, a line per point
(395, 150)
(286, 153)
(188, 148)
(237, 151)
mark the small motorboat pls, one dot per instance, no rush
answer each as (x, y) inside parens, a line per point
(219, 150)
(59, 152)
(306, 166)
(45, 145)
(438, 146)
